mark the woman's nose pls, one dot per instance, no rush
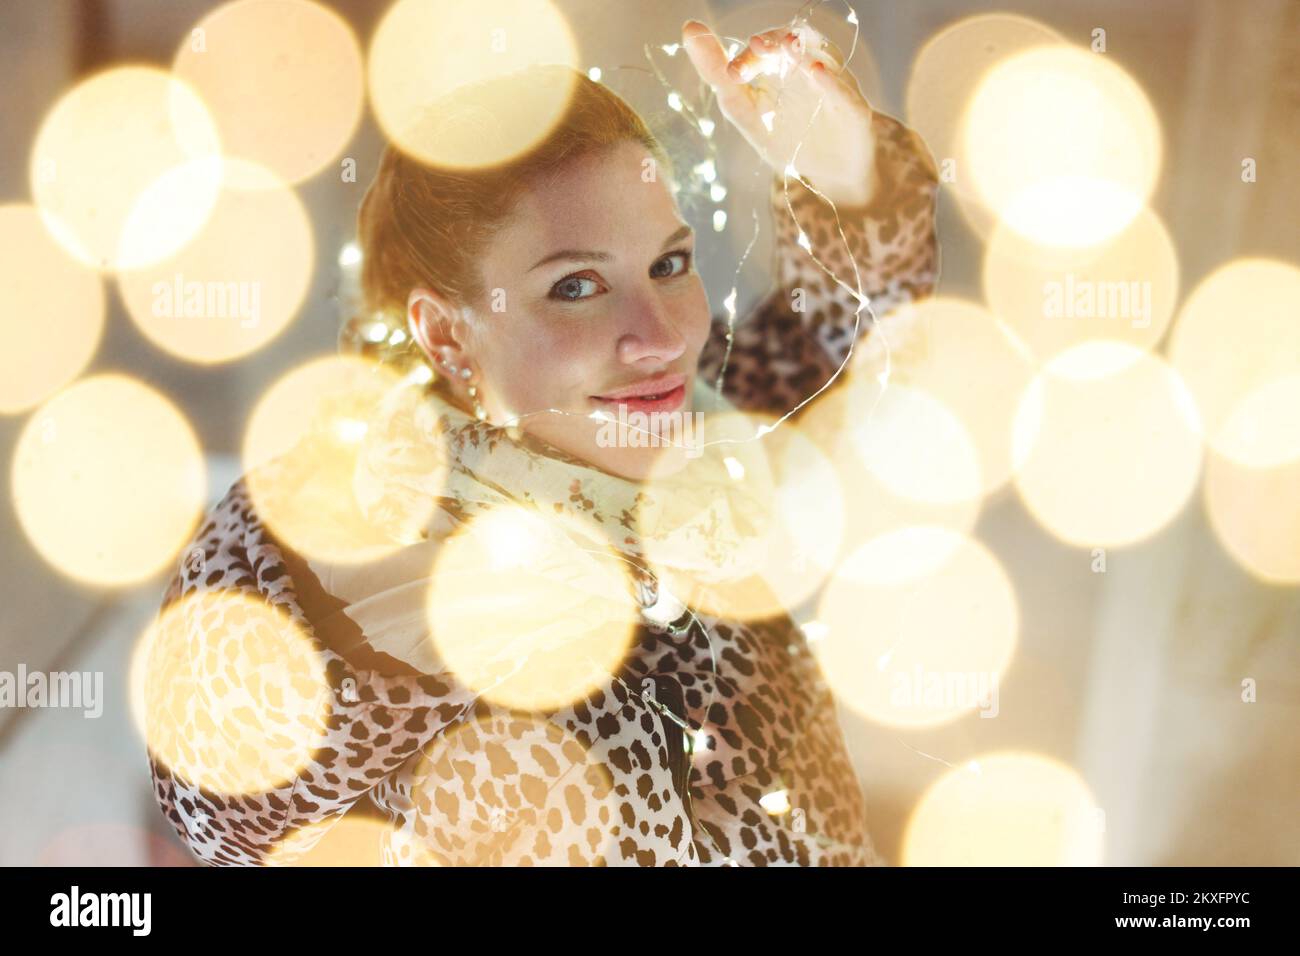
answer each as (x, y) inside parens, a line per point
(652, 335)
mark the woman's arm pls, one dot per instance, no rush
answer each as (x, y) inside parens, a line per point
(375, 717)
(589, 784)
(795, 339)
(851, 249)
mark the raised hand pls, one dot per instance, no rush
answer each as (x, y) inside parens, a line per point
(771, 92)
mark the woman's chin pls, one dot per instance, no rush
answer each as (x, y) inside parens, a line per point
(658, 458)
(641, 464)
(638, 448)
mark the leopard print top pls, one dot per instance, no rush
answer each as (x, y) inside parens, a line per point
(610, 779)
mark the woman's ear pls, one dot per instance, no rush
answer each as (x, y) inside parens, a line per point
(431, 319)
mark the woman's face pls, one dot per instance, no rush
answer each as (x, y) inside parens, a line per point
(592, 301)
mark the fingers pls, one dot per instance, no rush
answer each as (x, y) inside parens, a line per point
(821, 61)
(764, 53)
(816, 46)
(759, 56)
(710, 61)
(775, 51)
(842, 88)
(806, 47)
(706, 53)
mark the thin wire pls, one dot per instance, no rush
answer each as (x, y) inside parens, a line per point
(856, 290)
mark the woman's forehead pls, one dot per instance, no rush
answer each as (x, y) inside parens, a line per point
(615, 199)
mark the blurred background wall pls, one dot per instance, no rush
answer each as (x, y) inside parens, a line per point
(1133, 677)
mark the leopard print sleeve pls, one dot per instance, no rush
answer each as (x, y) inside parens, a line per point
(375, 717)
(793, 342)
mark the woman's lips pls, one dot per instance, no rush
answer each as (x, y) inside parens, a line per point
(665, 396)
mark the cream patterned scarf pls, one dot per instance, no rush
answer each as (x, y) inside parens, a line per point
(423, 456)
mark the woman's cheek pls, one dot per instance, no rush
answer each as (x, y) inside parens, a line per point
(550, 367)
(697, 319)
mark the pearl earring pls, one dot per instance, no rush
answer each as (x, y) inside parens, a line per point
(479, 411)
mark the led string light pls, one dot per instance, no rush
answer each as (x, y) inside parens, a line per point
(951, 766)
(796, 26)
(856, 291)
(705, 127)
(690, 735)
(693, 735)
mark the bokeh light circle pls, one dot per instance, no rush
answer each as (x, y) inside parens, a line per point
(1055, 297)
(710, 516)
(1006, 809)
(283, 80)
(1237, 345)
(423, 49)
(803, 517)
(305, 452)
(943, 74)
(238, 283)
(126, 167)
(874, 506)
(236, 695)
(1255, 514)
(350, 841)
(530, 611)
(1108, 445)
(941, 629)
(108, 481)
(51, 312)
(499, 825)
(1063, 145)
(968, 363)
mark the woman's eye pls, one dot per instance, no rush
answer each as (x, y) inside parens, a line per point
(574, 288)
(673, 264)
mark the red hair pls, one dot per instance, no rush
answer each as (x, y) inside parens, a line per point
(422, 225)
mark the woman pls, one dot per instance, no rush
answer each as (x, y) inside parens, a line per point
(547, 293)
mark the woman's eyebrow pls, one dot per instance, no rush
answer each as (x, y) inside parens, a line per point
(588, 255)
